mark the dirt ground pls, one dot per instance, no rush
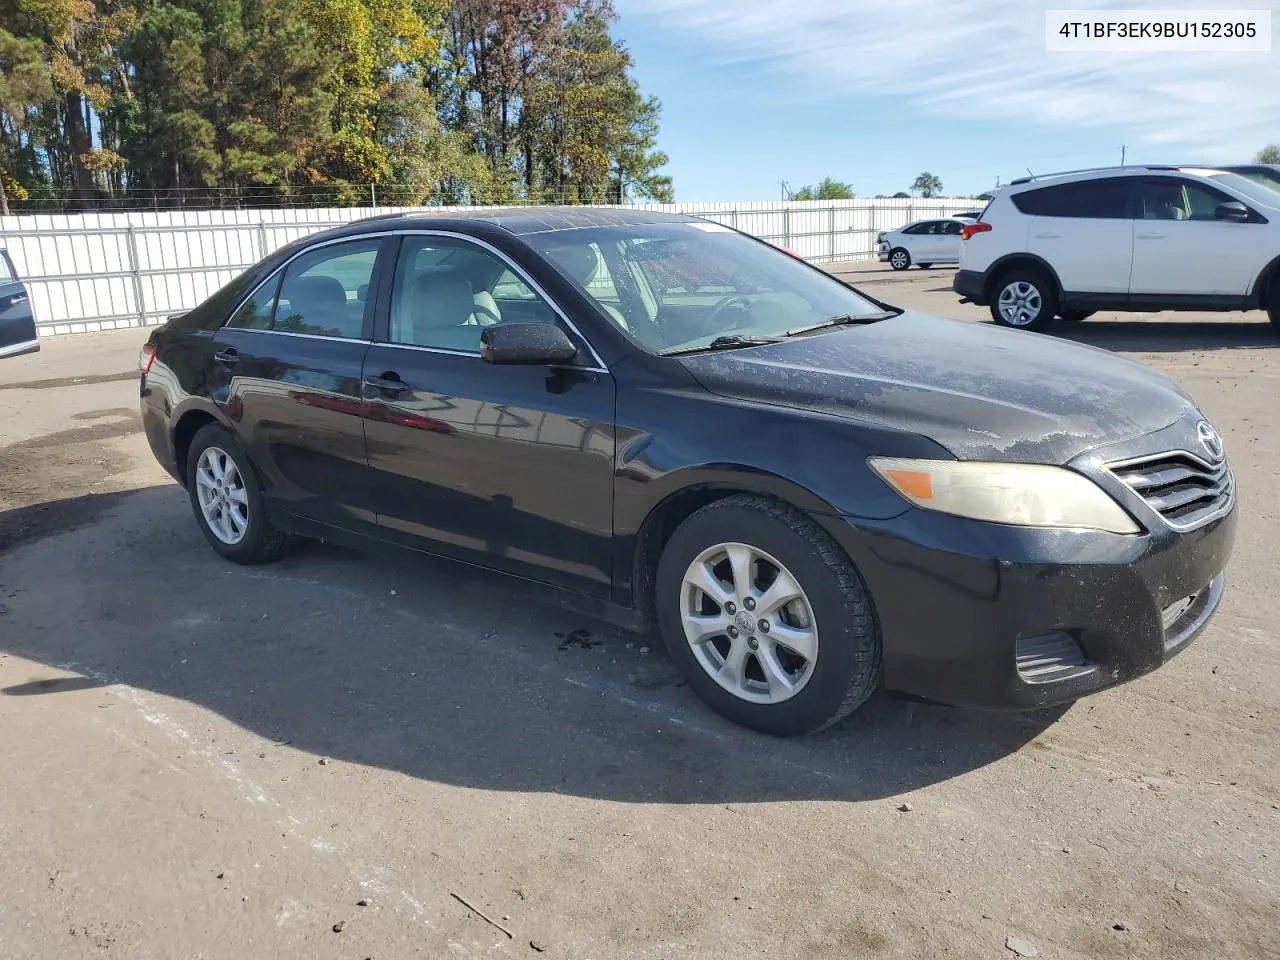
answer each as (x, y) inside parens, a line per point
(348, 757)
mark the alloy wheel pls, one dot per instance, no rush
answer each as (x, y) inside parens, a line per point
(898, 261)
(749, 623)
(224, 501)
(1020, 304)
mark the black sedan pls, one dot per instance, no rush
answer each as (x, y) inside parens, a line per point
(805, 491)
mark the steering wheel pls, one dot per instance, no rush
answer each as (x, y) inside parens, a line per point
(723, 304)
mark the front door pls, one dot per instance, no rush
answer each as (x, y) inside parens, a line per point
(286, 370)
(507, 466)
(1181, 248)
(17, 323)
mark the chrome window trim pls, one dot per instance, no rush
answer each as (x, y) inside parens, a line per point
(524, 277)
(600, 367)
(279, 271)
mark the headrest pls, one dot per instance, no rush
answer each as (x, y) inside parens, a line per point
(442, 300)
(314, 294)
(578, 261)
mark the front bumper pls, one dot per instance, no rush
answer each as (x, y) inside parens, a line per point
(954, 621)
(969, 284)
(882, 250)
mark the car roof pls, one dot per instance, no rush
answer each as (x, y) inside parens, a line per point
(527, 220)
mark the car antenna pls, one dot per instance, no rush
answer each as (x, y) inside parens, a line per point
(1029, 173)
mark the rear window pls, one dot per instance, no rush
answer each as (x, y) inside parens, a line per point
(1092, 199)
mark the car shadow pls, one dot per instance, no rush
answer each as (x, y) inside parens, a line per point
(416, 666)
(1171, 336)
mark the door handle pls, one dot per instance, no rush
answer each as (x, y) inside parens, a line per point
(1047, 236)
(229, 357)
(1151, 236)
(17, 298)
(388, 384)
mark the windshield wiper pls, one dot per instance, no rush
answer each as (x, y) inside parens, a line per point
(846, 320)
(724, 342)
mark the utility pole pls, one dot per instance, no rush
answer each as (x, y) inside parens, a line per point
(786, 189)
(1122, 153)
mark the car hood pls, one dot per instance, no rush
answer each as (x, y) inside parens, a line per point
(981, 392)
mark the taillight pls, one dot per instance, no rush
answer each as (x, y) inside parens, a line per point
(146, 358)
(974, 228)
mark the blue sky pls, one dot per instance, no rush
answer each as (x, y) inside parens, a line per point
(875, 92)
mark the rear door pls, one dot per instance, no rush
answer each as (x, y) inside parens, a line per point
(949, 241)
(17, 323)
(287, 372)
(1084, 231)
(1181, 248)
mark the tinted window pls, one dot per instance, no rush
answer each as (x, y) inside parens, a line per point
(255, 313)
(1092, 199)
(1170, 199)
(916, 228)
(325, 292)
(952, 227)
(447, 291)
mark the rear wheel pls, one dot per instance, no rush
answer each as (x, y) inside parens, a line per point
(1273, 303)
(899, 259)
(766, 617)
(1024, 299)
(1075, 316)
(227, 499)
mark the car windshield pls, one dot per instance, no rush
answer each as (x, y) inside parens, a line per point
(680, 286)
(1259, 191)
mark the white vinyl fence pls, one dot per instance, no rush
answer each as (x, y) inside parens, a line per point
(100, 271)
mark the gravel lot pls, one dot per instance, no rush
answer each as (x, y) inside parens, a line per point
(348, 757)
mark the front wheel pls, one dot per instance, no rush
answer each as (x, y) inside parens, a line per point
(1024, 300)
(766, 618)
(227, 499)
(899, 259)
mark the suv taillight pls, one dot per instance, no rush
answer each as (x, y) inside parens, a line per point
(974, 228)
(146, 358)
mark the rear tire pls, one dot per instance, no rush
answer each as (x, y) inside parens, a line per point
(1273, 304)
(1075, 316)
(751, 552)
(226, 497)
(899, 259)
(1024, 299)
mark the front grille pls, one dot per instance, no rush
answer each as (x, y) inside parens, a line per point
(1051, 657)
(1187, 491)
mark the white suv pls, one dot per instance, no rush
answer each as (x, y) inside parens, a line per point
(1123, 238)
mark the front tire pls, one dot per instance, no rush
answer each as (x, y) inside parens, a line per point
(899, 259)
(766, 618)
(227, 499)
(1024, 300)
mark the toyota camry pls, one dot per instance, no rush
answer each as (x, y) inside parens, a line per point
(807, 492)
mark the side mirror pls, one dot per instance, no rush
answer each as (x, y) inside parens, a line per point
(1232, 210)
(526, 343)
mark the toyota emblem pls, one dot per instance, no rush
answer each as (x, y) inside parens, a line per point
(1210, 440)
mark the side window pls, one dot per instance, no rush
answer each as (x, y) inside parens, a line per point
(1202, 202)
(255, 313)
(1106, 199)
(951, 227)
(325, 292)
(915, 228)
(6, 274)
(446, 291)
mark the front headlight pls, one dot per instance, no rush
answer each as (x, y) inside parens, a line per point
(1025, 494)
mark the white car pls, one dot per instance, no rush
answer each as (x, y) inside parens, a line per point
(924, 242)
(1123, 238)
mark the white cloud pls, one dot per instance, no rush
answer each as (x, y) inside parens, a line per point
(986, 59)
